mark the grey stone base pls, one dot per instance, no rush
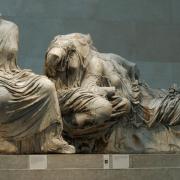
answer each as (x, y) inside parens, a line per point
(90, 167)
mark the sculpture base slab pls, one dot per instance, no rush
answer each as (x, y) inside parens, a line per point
(90, 167)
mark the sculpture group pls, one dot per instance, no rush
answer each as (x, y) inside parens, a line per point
(87, 102)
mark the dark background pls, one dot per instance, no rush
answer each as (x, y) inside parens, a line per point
(146, 32)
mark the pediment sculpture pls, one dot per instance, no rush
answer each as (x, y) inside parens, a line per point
(105, 105)
(87, 102)
(30, 118)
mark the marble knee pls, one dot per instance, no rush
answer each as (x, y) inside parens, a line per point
(46, 85)
(4, 98)
(101, 110)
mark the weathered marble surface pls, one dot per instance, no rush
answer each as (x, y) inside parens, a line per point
(101, 93)
(30, 118)
(105, 105)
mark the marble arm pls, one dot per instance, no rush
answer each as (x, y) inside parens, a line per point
(90, 82)
(131, 67)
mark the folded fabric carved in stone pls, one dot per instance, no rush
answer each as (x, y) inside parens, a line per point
(101, 93)
(30, 119)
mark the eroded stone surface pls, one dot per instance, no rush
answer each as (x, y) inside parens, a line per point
(30, 119)
(101, 96)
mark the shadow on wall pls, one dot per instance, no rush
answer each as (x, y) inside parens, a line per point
(145, 32)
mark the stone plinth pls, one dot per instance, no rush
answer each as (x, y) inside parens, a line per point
(90, 167)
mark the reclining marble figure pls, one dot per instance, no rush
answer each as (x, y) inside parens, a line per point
(105, 106)
(30, 119)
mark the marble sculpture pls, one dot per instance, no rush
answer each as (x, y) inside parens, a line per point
(95, 101)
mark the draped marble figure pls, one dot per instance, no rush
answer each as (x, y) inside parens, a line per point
(105, 105)
(30, 119)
